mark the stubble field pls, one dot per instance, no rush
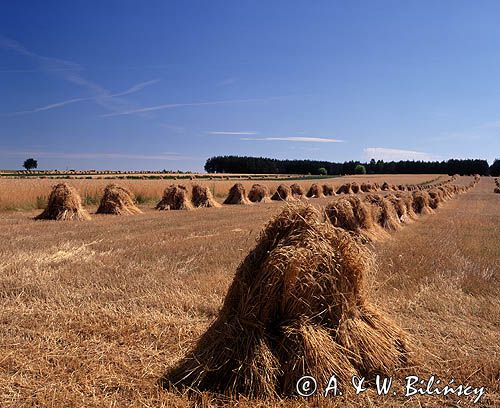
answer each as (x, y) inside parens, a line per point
(93, 313)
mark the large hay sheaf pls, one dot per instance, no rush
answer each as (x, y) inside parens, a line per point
(400, 206)
(352, 214)
(421, 202)
(297, 190)
(283, 193)
(202, 197)
(315, 191)
(117, 200)
(366, 187)
(436, 198)
(345, 189)
(259, 193)
(237, 195)
(297, 306)
(328, 190)
(383, 212)
(175, 197)
(64, 204)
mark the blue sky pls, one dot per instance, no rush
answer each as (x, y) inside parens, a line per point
(166, 84)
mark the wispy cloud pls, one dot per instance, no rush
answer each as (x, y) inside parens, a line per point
(71, 73)
(190, 104)
(387, 154)
(47, 107)
(136, 88)
(231, 133)
(295, 139)
(133, 89)
(169, 156)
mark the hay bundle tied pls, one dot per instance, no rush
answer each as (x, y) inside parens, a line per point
(400, 207)
(237, 195)
(202, 197)
(355, 187)
(421, 201)
(328, 190)
(496, 190)
(366, 187)
(383, 212)
(385, 186)
(315, 191)
(297, 190)
(259, 193)
(64, 204)
(283, 193)
(175, 197)
(117, 200)
(435, 198)
(352, 214)
(297, 306)
(407, 200)
(345, 189)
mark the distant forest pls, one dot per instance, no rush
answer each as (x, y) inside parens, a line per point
(263, 165)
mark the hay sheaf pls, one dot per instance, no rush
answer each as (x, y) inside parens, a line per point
(366, 187)
(407, 200)
(297, 306)
(117, 200)
(400, 207)
(64, 204)
(436, 198)
(328, 190)
(355, 187)
(383, 212)
(283, 193)
(315, 191)
(175, 197)
(421, 201)
(202, 197)
(259, 193)
(297, 190)
(385, 186)
(352, 214)
(237, 195)
(496, 190)
(345, 189)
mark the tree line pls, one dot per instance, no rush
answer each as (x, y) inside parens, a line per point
(264, 165)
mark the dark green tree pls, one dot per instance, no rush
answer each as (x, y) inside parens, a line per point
(322, 171)
(30, 164)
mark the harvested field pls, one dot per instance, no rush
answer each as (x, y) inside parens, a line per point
(94, 313)
(27, 194)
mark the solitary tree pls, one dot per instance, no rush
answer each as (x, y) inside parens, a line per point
(322, 171)
(359, 169)
(30, 164)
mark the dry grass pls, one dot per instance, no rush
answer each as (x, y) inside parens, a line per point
(93, 314)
